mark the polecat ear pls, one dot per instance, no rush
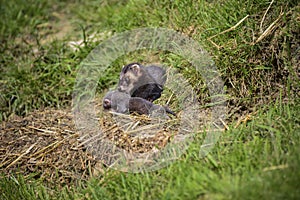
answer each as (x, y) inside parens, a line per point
(135, 68)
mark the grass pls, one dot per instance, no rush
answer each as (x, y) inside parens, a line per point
(258, 159)
(255, 160)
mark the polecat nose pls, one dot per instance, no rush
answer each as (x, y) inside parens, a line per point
(106, 104)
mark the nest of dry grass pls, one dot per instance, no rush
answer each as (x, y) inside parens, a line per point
(125, 141)
(46, 143)
(138, 133)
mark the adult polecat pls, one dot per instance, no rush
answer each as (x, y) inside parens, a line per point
(143, 82)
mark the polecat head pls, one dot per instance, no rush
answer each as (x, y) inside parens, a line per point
(132, 67)
(107, 100)
(106, 104)
(116, 101)
(129, 76)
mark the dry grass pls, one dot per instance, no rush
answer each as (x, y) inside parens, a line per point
(138, 133)
(47, 144)
(44, 143)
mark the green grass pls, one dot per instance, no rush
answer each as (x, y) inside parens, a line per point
(256, 160)
(36, 74)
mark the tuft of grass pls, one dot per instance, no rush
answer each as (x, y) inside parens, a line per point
(18, 187)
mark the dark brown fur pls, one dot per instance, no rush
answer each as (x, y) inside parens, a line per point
(142, 106)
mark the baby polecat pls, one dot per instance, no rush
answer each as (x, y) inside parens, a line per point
(116, 101)
(122, 103)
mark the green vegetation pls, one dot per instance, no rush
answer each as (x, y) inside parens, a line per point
(258, 60)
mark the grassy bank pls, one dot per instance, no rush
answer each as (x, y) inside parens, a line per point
(255, 160)
(255, 45)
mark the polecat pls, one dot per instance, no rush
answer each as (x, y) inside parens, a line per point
(140, 81)
(122, 103)
(116, 101)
